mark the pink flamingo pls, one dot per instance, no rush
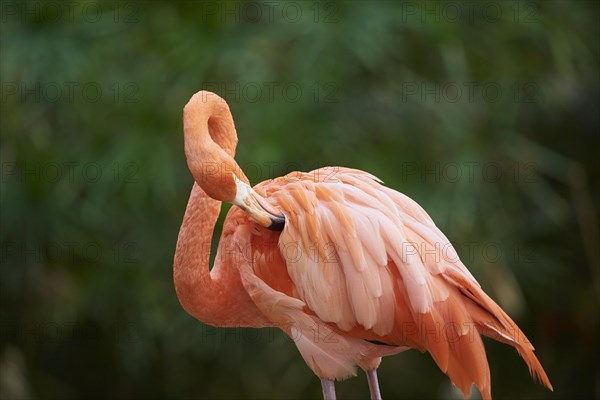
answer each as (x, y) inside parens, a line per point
(351, 270)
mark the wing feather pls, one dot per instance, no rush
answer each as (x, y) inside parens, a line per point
(365, 225)
(371, 263)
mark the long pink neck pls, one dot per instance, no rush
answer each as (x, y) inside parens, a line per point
(196, 290)
(218, 297)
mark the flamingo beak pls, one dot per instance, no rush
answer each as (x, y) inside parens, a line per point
(257, 207)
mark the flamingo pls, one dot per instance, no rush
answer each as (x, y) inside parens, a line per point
(350, 269)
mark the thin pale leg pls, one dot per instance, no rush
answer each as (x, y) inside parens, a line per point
(328, 389)
(373, 384)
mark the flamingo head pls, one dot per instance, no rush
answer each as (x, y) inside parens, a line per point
(257, 206)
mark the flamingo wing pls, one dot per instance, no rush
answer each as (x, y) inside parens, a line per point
(371, 264)
(329, 354)
(349, 241)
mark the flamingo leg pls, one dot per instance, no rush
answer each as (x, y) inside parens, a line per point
(328, 389)
(373, 384)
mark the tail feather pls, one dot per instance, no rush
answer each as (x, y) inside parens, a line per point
(467, 360)
(493, 322)
(469, 305)
(468, 356)
(447, 334)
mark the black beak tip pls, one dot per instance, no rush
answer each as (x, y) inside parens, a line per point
(277, 223)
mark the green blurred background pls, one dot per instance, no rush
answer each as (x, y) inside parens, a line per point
(486, 113)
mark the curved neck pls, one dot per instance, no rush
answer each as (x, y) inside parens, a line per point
(218, 297)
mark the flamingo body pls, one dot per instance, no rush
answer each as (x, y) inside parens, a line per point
(359, 271)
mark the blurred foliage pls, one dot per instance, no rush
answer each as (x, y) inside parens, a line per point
(94, 180)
